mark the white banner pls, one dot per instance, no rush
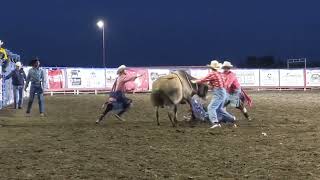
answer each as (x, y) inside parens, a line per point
(291, 77)
(247, 77)
(313, 77)
(154, 74)
(85, 78)
(111, 76)
(269, 77)
(199, 73)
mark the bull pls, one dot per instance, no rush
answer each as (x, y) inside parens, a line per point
(173, 89)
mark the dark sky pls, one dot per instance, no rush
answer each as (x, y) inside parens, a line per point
(163, 32)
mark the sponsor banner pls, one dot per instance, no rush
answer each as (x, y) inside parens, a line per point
(111, 76)
(154, 74)
(269, 77)
(313, 77)
(199, 73)
(248, 77)
(140, 84)
(291, 77)
(56, 79)
(85, 78)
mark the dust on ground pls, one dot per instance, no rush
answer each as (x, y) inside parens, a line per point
(282, 142)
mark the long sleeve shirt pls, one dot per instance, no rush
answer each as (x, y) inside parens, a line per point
(36, 77)
(214, 78)
(121, 81)
(18, 77)
(231, 82)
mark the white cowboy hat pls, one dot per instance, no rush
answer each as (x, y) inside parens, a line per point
(121, 68)
(1, 43)
(227, 64)
(214, 65)
(18, 64)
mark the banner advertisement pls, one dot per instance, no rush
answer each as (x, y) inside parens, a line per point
(199, 73)
(248, 77)
(141, 84)
(154, 74)
(269, 77)
(111, 76)
(56, 79)
(291, 77)
(85, 78)
(313, 77)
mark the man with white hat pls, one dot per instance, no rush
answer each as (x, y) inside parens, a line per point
(233, 88)
(18, 77)
(117, 97)
(232, 84)
(216, 107)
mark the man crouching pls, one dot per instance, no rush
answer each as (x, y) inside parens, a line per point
(117, 99)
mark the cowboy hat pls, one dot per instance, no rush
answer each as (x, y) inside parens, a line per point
(227, 64)
(1, 43)
(121, 68)
(18, 64)
(214, 65)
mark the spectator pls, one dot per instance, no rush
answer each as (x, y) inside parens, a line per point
(18, 77)
(36, 77)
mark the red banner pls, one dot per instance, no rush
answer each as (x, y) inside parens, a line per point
(141, 84)
(56, 79)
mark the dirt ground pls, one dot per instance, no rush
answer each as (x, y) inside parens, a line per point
(68, 145)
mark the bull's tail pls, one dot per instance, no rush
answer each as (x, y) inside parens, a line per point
(157, 99)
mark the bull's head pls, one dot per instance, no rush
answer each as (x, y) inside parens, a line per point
(202, 90)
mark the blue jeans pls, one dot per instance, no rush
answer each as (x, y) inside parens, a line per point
(35, 89)
(17, 96)
(234, 98)
(216, 107)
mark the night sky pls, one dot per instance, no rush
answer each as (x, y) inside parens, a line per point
(164, 32)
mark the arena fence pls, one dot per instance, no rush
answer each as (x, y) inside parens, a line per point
(61, 80)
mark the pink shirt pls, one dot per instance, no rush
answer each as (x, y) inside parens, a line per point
(214, 78)
(231, 82)
(121, 81)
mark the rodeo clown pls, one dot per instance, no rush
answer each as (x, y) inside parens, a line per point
(216, 111)
(235, 95)
(117, 99)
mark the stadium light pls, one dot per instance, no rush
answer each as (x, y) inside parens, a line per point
(100, 24)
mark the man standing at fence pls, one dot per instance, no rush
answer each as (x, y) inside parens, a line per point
(37, 79)
(18, 77)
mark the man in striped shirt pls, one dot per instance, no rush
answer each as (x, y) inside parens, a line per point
(216, 109)
(232, 85)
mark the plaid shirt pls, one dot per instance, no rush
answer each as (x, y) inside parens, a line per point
(214, 78)
(231, 82)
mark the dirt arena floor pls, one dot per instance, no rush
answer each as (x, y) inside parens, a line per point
(68, 145)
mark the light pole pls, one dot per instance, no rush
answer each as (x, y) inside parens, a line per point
(100, 24)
